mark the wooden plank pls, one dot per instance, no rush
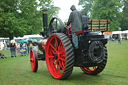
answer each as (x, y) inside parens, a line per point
(100, 28)
(99, 25)
(99, 20)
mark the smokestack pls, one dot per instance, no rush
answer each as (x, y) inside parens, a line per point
(45, 22)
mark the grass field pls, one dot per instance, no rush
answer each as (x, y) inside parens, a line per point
(17, 71)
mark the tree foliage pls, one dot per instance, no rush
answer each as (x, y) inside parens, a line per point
(124, 21)
(106, 9)
(20, 17)
(87, 6)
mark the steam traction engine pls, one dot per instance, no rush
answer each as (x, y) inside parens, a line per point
(61, 56)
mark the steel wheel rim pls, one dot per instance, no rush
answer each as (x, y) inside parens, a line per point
(55, 57)
(89, 70)
(32, 60)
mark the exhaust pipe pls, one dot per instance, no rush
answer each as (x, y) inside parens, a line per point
(45, 23)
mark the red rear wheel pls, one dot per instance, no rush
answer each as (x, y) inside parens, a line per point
(97, 69)
(59, 56)
(34, 59)
(89, 70)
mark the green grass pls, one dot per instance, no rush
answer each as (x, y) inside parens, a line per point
(17, 71)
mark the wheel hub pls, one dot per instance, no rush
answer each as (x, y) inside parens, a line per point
(96, 52)
(55, 56)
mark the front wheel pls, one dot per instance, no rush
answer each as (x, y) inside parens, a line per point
(59, 56)
(34, 60)
(97, 69)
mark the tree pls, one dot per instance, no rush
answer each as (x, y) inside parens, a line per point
(104, 9)
(87, 6)
(108, 9)
(7, 18)
(124, 21)
(33, 16)
(20, 17)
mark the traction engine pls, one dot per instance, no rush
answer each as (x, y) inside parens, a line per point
(60, 54)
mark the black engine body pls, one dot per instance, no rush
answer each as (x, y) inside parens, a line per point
(90, 51)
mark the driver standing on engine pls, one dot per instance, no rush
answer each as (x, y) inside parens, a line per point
(75, 19)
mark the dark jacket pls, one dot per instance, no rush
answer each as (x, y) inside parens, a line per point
(75, 19)
(85, 21)
(12, 47)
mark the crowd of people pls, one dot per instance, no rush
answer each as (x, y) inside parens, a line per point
(19, 47)
(22, 47)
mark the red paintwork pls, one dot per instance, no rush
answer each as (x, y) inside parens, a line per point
(32, 58)
(89, 70)
(44, 44)
(56, 66)
(69, 30)
(79, 32)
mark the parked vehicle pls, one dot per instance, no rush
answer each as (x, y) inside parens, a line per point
(60, 53)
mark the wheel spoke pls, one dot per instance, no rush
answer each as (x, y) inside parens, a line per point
(60, 44)
(58, 69)
(53, 48)
(62, 59)
(61, 52)
(56, 43)
(51, 56)
(54, 64)
(62, 56)
(88, 69)
(61, 65)
(95, 67)
(53, 52)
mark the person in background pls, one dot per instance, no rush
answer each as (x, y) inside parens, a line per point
(119, 39)
(30, 45)
(5, 45)
(21, 49)
(13, 48)
(75, 19)
(25, 48)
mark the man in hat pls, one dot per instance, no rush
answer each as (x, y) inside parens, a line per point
(75, 19)
(13, 48)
